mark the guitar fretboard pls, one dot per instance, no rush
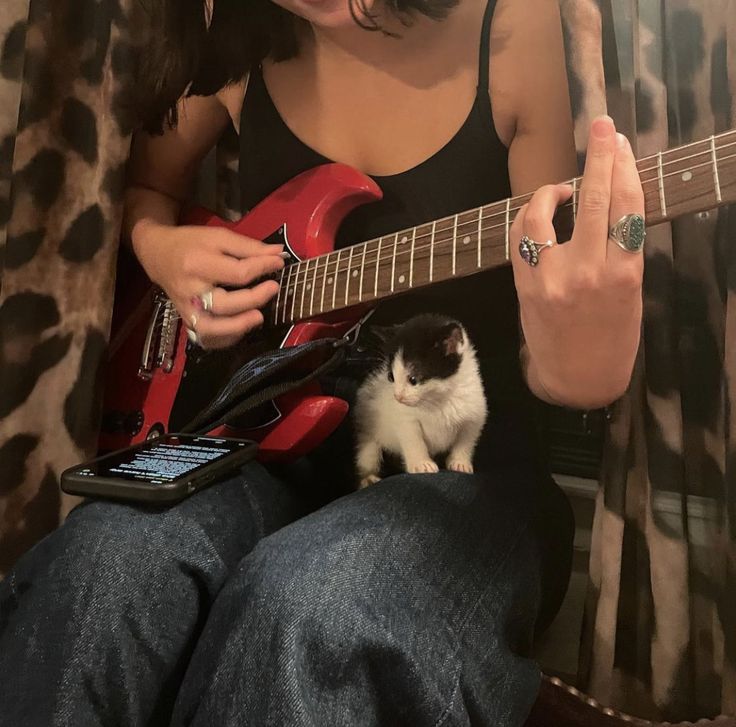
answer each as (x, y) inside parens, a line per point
(686, 179)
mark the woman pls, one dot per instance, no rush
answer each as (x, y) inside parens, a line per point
(414, 601)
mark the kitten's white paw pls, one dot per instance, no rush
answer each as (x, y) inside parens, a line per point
(460, 465)
(368, 480)
(422, 465)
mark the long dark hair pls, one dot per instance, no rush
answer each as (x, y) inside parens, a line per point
(187, 55)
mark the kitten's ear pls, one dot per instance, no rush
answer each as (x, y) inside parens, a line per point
(454, 341)
(384, 333)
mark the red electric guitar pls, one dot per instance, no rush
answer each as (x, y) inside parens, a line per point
(156, 382)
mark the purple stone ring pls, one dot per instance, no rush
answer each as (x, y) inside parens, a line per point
(529, 250)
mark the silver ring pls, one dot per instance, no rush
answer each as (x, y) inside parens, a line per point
(206, 300)
(193, 336)
(629, 233)
(529, 249)
(193, 320)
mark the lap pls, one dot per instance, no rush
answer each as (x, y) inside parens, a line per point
(403, 589)
(411, 536)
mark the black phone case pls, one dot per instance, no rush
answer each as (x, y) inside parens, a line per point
(134, 491)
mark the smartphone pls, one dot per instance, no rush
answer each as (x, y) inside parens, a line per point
(164, 470)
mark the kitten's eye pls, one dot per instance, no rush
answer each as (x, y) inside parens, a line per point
(391, 376)
(413, 380)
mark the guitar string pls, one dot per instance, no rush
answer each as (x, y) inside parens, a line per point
(371, 260)
(421, 248)
(690, 156)
(489, 244)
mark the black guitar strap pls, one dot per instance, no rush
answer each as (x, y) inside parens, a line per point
(268, 376)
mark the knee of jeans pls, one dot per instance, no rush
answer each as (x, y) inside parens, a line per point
(343, 567)
(113, 548)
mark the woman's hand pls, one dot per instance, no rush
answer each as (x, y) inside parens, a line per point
(189, 262)
(581, 305)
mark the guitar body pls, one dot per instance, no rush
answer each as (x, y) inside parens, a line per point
(157, 382)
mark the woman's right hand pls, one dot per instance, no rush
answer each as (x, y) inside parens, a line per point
(189, 261)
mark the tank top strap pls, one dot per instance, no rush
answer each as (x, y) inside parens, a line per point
(485, 46)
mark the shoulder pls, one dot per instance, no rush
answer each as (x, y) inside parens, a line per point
(232, 97)
(527, 62)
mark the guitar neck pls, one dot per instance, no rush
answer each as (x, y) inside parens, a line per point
(686, 179)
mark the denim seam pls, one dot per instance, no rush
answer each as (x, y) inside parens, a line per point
(174, 553)
(255, 510)
(446, 712)
(453, 696)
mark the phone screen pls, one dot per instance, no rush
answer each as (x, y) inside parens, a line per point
(163, 460)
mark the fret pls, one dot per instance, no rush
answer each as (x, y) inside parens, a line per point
(378, 267)
(334, 279)
(314, 285)
(288, 290)
(411, 257)
(431, 251)
(507, 224)
(296, 285)
(304, 289)
(348, 275)
(362, 270)
(716, 180)
(393, 262)
(278, 298)
(480, 223)
(574, 200)
(662, 202)
(454, 246)
(324, 282)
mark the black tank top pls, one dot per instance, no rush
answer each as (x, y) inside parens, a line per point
(469, 171)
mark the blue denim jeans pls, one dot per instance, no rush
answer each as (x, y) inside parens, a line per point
(412, 602)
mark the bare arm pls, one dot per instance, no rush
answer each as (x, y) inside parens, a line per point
(189, 261)
(162, 169)
(535, 109)
(581, 306)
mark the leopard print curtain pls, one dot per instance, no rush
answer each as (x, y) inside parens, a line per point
(65, 122)
(660, 631)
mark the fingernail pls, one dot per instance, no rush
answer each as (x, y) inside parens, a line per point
(621, 141)
(602, 127)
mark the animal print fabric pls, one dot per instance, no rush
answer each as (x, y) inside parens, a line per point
(65, 122)
(660, 629)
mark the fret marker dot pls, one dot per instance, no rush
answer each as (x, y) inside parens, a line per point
(403, 239)
(329, 281)
(466, 239)
(309, 286)
(355, 273)
(402, 278)
(291, 290)
(687, 176)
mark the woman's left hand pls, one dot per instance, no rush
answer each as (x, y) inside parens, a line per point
(581, 305)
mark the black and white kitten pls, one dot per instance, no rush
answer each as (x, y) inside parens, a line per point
(426, 399)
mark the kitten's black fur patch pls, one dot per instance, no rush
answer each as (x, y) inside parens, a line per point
(429, 345)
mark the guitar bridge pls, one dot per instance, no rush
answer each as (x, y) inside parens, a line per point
(159, 346)
(168, 338)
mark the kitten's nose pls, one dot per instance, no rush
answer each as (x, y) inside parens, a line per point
(399, 397)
